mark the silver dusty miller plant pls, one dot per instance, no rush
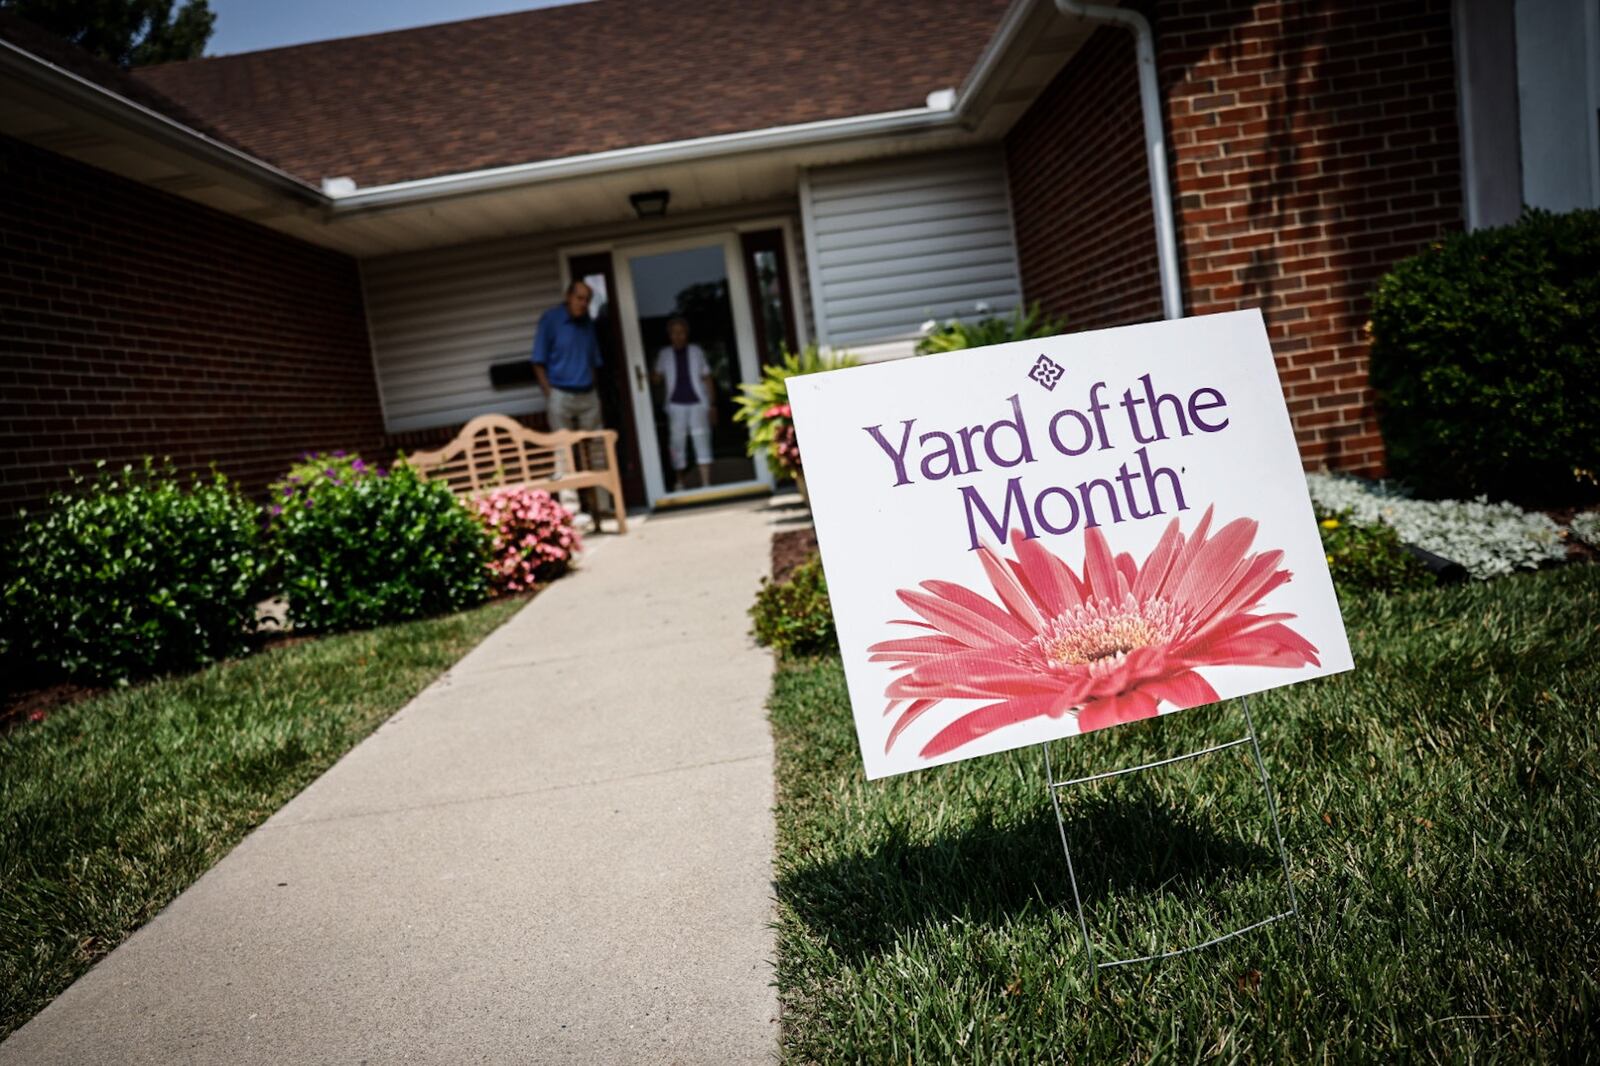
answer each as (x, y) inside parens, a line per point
(1586, 527)
(1489, 539)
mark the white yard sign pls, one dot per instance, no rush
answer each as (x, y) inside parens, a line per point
(1038, 539)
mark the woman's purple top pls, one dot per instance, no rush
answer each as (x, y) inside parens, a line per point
(683, 391)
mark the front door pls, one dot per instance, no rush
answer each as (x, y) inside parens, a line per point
(691, 340)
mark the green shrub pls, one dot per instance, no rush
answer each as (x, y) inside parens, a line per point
(1486, 356)
(134, 573)
(764, 406)
(1369, 557)
(794, 617)
(361, 547)
(1021, 325)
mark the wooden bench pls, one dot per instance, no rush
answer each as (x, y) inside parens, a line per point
(493, 451)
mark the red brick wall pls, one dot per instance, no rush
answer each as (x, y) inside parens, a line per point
(1313, 143)
(1080, 192)
(133, 322)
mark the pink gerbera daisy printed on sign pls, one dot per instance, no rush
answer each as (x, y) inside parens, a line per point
(1108, 645)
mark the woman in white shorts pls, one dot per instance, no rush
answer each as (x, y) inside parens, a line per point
(691, 393)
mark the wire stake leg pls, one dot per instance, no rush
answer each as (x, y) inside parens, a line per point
(1055, 788)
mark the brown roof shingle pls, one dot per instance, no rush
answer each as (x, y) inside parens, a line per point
(572, 80)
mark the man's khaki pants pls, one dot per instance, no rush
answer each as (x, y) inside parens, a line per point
(580, 410)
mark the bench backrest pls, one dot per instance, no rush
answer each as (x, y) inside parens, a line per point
(493, 450)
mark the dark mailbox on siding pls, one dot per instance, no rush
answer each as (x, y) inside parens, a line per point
(511, 373)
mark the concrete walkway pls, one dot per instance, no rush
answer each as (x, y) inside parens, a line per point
(559, 852)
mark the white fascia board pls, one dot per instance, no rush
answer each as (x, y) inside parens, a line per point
(77, 89)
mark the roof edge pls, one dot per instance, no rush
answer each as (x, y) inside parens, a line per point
(992, 60)
(108, 103)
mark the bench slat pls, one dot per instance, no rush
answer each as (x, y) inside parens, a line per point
(493, 451)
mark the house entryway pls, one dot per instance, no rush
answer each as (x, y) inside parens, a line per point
(730, 291)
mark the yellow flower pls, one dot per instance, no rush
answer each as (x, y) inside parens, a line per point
(1330, 559)
(1330, 523)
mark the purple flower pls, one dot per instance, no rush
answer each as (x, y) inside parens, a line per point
(358, 466)
(288, 490)
(338, 453)
(276, 510)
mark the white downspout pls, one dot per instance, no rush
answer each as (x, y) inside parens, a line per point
(1154, 141)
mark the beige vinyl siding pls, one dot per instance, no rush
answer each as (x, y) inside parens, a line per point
(440, 317)
(899, 242)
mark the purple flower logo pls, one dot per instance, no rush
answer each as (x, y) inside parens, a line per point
(1046, 372)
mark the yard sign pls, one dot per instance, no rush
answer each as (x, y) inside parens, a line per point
(1038, 539)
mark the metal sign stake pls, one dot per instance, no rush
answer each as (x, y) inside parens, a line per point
(1066, 849)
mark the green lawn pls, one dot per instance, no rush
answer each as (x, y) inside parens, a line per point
(111, 807)
(1441, 809)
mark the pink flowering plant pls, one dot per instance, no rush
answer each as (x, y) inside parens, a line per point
(534, 539)
(764, 406)
(785, 447)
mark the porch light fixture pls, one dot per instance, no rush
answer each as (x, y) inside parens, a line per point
(651, 204)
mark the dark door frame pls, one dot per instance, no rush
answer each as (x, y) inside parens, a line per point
(616, 396)
(769, 240)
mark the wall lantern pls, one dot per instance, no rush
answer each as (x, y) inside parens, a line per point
(650, 204)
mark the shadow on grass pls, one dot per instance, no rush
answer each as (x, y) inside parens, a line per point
(1129, 851)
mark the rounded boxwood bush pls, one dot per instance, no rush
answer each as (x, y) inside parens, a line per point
(795, 616)
(134, 573)
(1486, 359)
(361, 546)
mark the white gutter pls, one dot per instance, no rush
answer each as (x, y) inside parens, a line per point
(61, 82)
(1154, 141)
(912, 120)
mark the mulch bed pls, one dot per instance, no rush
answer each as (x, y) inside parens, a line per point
(30, 700)
(35, 704)
(1577, 550)
(790, 548)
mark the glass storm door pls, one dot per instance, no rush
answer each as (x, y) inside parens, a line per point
(694, 292)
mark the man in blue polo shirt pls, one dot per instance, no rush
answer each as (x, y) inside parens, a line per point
(566, 356)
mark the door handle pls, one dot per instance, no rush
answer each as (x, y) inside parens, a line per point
(638, 378)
